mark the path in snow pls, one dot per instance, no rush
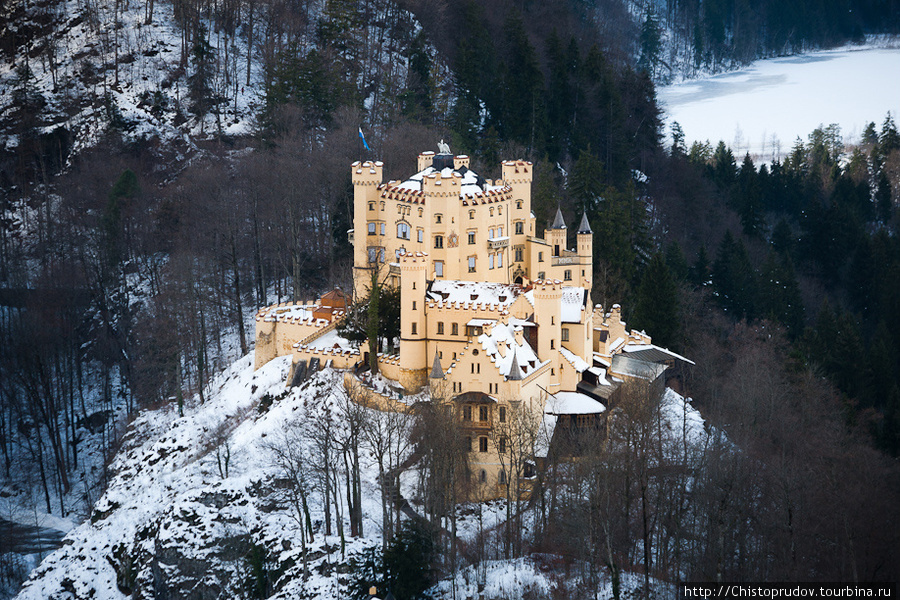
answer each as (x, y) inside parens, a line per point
(763, 108)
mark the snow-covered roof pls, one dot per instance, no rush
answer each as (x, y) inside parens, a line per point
(572, 403)
(571, 303)
(471, 183)
(501, 294)
(524, 354)
(624, 365)
(576, 361)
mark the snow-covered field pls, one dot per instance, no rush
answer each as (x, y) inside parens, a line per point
(765, 107)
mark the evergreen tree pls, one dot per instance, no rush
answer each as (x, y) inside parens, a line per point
(656, 308)
(585, 184)
(749, 202)
(701, 270)
(200, 82)
(408, 560)
(779, 294)
(651, 43)
(734, 279)
(676, 262)
(883, 198)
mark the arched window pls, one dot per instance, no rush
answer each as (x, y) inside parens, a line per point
(482, 477)
(501, 478)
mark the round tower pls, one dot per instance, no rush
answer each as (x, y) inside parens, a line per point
(547, 301)
(413, 331)
(585, 241)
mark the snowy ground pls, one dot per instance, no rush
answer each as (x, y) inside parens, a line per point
(765, 107)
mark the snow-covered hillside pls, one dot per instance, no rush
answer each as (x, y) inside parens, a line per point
(193, 498)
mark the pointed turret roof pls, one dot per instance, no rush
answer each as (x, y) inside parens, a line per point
(515, 373)
(558, 222)
(436, 371)
(584, 226)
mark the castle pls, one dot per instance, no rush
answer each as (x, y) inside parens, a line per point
(495, 319)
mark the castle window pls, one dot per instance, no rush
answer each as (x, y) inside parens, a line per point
(469, 443)
(518, 204)
(499, 210)
(403, 230)
(440, 328)
(371, 206)
(421, 235)
(556, 250)
(491, 233)
(501, 478)
(382, 205)
(541, 258)
(520, 227)
(438, 241)
(565, 334)
(502, 414)
(518, 255)
(568, 275)
(371, 228)
(471, 264)
(500, 231)
(467, 413)
(482, 447)
(376, 254)
(552, 342)
(541, 274)
(383, 228)
(492, 212)
(471, 215)
(528, 471)
(421, 211)
(501, 446)
(414, 302)
(482, 477)
(454, 330)
(471, 237)
(499, 259)
(482, 413)
(438, 268)
(582, 272)
(437, 218)
(490, 261)
(552, 372)
(415, 326)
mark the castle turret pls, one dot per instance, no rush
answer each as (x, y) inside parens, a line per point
(367, 209)
(547, 300)
(556, 237)
(413, 334)
(585, 243)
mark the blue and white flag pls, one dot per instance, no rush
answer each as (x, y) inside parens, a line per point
(363, 138)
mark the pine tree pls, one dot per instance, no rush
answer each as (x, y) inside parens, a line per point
(585, 185)
(734, 279)
(656, 308)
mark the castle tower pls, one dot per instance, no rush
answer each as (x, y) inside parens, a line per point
(586, 251)
(556, 237)
(367, 209)
(413, 334)
(547, 301)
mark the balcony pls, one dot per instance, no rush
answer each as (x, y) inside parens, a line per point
(497, 243)
(566, 260)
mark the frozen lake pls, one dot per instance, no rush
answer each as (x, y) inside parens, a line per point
(766, 106)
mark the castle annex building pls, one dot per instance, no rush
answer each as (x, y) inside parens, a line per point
(495, 318)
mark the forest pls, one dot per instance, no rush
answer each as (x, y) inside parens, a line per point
(127, 264)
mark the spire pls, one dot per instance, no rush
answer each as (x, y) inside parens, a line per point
(584, 227)
(436, 371)
(558, 222)
(515, 373)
